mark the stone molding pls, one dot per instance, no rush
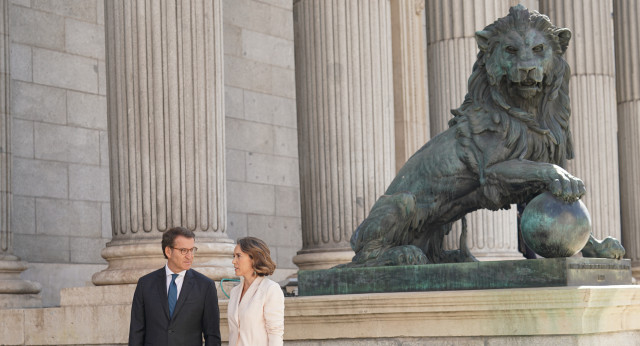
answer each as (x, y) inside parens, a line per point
(540, 311)
(549, 312)
(127, 263)
(324, 259)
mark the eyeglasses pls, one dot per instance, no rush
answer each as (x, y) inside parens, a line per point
(184, 251)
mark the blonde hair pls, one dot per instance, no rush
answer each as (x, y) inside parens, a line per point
(260, 255)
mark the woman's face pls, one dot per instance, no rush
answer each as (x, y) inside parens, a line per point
(242, 262)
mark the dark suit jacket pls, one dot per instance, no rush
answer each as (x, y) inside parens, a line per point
(196, 312)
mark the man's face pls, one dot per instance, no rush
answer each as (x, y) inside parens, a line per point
(178, 262)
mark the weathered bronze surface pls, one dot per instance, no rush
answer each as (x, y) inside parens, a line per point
(506, 144)
(554, 228)
(545, 272)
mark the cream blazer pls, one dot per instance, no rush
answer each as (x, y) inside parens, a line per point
(259, 318)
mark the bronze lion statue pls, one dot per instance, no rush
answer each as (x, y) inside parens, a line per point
(506, 143)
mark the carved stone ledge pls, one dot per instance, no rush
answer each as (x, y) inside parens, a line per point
(127, 263)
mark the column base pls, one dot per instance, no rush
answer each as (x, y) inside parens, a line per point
(15, 292)
(19, 301)
(128, 262)
(323, 259)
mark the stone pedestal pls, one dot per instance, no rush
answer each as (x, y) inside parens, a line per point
(544, 272)
(627, 49)
(451, 53)
(344, 101)
(166, 135)
(14, 292)
(605, 315)
(409, 84)
(593, 123)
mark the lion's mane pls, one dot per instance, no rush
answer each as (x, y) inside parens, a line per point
(545, 137)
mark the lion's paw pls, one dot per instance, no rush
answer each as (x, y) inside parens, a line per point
(608, 248)
(565, 186)
(402, 255)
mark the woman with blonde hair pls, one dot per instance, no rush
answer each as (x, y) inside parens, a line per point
(256, 306)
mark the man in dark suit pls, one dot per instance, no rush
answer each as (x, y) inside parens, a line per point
(175, 305)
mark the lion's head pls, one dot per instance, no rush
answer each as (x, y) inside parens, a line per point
(520, 73)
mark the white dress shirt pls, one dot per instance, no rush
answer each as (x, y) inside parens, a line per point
(259, 318)
(179, 279)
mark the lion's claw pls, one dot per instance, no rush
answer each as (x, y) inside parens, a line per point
(565, 186)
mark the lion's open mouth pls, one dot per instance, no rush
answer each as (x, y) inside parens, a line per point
(529, 84)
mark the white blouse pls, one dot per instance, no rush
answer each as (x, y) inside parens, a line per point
(259, 318)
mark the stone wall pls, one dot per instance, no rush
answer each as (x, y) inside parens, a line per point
(61, 213)
(60, 179)
(60, 218)
(263, 194)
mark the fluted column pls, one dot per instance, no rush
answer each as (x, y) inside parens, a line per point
(14, 292)
(594, 122)
(627, 49)
(166, 134)
(451, 52)
(345, 121)
(409, 85)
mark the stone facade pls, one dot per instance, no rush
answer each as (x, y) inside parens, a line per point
(263, 184)
(61, 211)
(61, 202)
(60, 219)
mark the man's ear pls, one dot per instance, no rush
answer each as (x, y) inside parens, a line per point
(167, 251)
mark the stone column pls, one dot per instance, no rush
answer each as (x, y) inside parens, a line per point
(409, 84)
(451, 52)
(594, 122)
(14, 292)
(627, 52)
(344, 98)
(166, 134)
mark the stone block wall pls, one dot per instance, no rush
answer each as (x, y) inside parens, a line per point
(263, 193)
(61, 215)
